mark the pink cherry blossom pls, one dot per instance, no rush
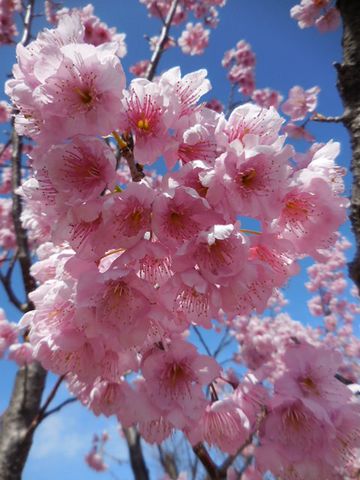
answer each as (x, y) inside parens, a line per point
(267, 98)
(95, 461)
(21, 353)
(5, 111)
(223, 425)
(329, 21)
(300, 102)
(96, 32)
(174, 377)
(194, 39)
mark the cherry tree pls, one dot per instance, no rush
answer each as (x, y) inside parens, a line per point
(127, 268)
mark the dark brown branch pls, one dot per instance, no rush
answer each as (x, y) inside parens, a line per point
(342, 379)
(42, 411)
(349, 88)
(164, 35)
(231, 458)
(137, 460)
(211, 468)
(59, 407)
(11, 295)
(6, 281)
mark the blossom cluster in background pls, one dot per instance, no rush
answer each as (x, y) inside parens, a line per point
(319, 13)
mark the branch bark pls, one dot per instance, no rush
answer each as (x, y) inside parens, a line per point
(15, 440)
(349, 88)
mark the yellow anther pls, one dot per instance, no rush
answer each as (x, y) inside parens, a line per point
(143, 124)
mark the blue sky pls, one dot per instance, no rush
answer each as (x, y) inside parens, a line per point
(286, 56)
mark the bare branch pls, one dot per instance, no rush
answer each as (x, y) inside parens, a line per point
(223, 342)
(59, 407)
(11, 295)
(164, 35)
(202, 341)
(210, 467)
(168, 463)
(137, 460)
(318, 117)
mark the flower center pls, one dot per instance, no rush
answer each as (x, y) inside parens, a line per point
(85, 95)
(143, 124)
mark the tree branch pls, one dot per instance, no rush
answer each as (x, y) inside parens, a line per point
(164, 35)
(11, 295)
(59, 407)
(318, 117)
(349, 88)
(137, 460)
(210, 467)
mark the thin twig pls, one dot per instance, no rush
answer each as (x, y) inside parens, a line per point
(231, 458)
(202, 341)
(59, 407)
(318, 117)
(43, 410)
(210, 467)
(222, 343)
(6, 145)
(11, 295)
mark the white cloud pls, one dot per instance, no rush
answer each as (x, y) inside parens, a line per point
(60, 435)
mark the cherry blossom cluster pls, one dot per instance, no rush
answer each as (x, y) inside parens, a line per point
(205, 10)
(266, 97)
(19, 352)
(131, 266)
(263, 340)
(312, 427)
(95, 458)
(194, 39)
(240, 62)
(96, 31)
(298, 106)
(5, 112)
(319, 13)
(7, 23)
(331, 300)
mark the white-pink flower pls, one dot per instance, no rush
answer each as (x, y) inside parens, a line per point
(194, 39)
